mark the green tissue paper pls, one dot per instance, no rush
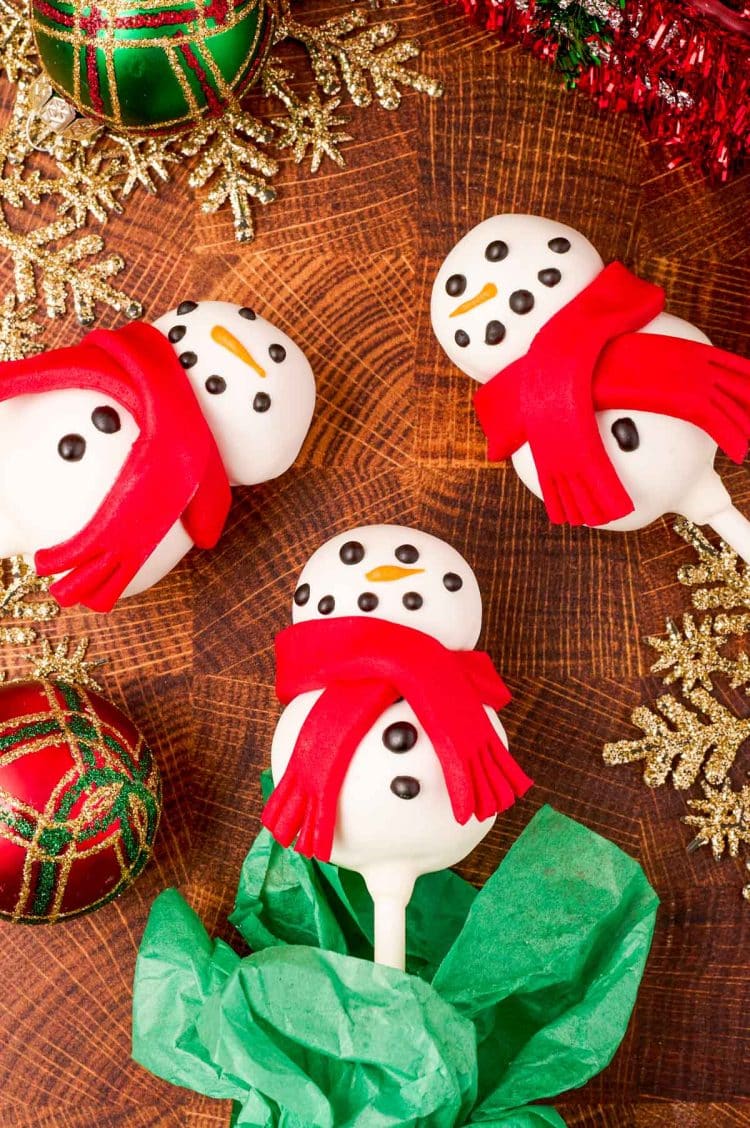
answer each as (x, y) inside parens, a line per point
(512, 994)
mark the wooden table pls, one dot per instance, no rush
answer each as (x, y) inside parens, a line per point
(344, 262)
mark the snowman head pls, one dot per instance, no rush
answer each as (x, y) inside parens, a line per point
(254, 384)
(62, 452)
(501, 283)
(394, 573)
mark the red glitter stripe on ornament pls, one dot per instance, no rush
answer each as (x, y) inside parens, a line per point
(192, 60)
(217, 10)
(53, 14)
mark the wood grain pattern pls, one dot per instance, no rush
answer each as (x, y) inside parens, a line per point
(344, 263)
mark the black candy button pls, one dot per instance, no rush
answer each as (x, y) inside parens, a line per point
(262, 401)
(302, 594)
(494, 333)
(455, 285)
(412, 601)
(352, 552)
(216, 385)
(521, 301)
(452, 581)
(326, 605)
(367, 601)
(72, 448)
(549, 277)
(496, 251)
(405, 787)
(106, 420)
(560, 245)
(186, 307)
(626, 433)
(400, 737)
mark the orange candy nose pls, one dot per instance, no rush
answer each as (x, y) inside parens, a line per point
(228, 341)
(488, 291)
(386, 572)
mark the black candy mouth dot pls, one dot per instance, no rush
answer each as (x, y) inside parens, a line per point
(302, 595)
(462, 339)
(176, 333)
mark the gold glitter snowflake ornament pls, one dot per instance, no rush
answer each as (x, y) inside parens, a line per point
(695, 738)
(66, 172)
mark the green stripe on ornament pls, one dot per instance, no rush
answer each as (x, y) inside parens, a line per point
(28, 732)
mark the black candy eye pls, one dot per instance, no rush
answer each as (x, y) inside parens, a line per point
(412, 601)
(626, 433)
(188, 359)
(186, 307)
(302, 594)
(262, 401)
(407, 554)
(367, 601)
(247, 313)
(455, 285)
(405, 787)
(461, 338)
(496, 251)
(216, 385)
(351, 552)
(560, 245)
(106, 420)
(277, 353)
(494, 333)
(326, 605)
(549, 277)
(521, 301)
(72, 448)
(176, 333)
(400, 737)
(452, 581)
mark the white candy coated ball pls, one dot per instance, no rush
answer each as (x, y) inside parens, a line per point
(501, 283)
(389, 839)
(254, 384)
(46, 498)
(395, 573)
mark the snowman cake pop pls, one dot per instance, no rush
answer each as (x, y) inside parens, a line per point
(389, 758)
(610, 409)
(117, 455)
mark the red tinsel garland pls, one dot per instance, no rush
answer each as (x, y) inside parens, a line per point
(682, 67)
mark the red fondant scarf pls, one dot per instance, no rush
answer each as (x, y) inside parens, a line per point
(363, 666)
(173, 471)
(590, 358)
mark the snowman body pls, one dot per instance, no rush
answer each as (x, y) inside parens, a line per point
(497, 288)
(63, 450)
(394, 819)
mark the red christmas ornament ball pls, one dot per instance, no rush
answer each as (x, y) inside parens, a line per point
(80, 800)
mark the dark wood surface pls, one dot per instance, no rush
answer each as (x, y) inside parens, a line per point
(344, 263)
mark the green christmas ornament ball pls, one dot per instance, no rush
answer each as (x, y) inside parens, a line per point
(153, 65)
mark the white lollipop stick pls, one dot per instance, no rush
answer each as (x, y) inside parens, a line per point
(390, 887)
(733, 528)
(390, 932)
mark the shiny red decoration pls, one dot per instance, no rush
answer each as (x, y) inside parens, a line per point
(683, 66)
(79, 801)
